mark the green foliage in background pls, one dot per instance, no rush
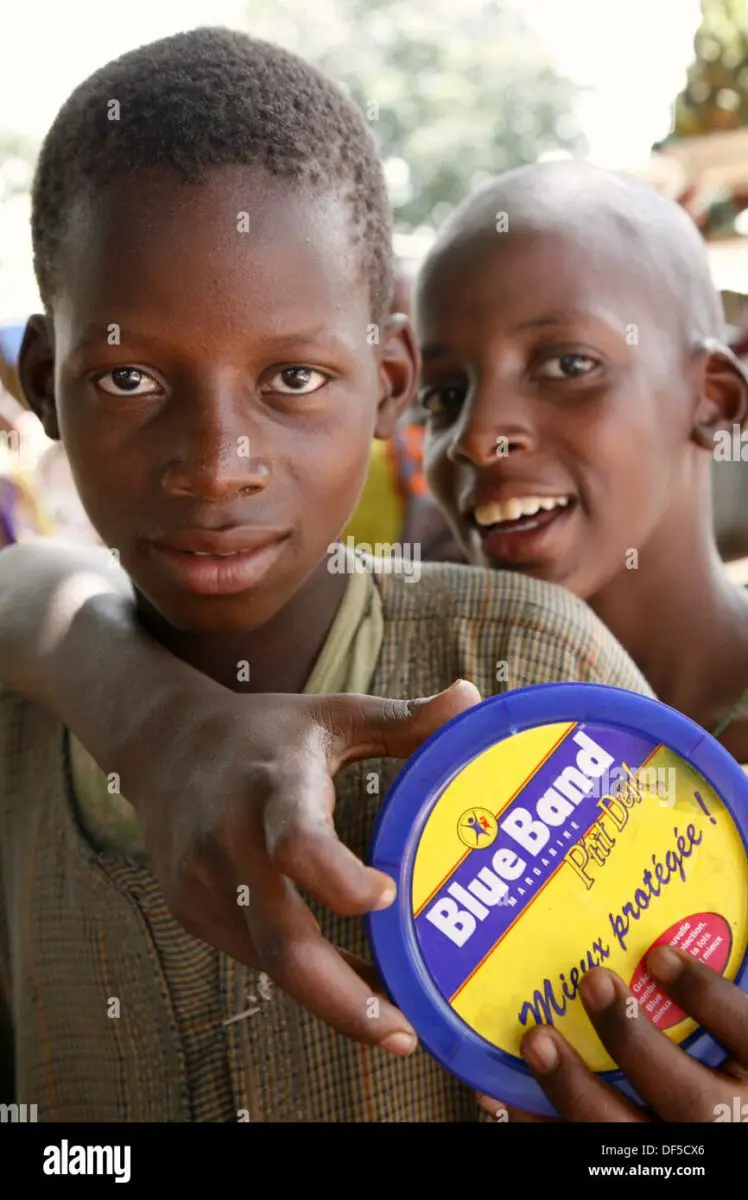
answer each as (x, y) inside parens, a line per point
(454, 92)
(715, 98)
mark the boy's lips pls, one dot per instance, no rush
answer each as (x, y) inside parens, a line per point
(219, 562)
(518, 529)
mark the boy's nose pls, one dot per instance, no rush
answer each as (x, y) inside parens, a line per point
(217, 477)
(480, 438)
(215, 454)
(494, 422)
(482, 446)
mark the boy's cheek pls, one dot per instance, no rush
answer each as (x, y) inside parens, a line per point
(321, 475)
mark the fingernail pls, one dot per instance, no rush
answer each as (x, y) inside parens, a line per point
(400, 1043)
(461, 683)
(665, 964)
(598, 989)
(541, 1052)
(385, 900)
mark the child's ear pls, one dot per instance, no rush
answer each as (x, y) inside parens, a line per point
(723, 394)
(399, 368)
(36, 371)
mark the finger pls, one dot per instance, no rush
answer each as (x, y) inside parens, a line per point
(572, 1088)
(315, 975)
(293, 952)
(716, 1003)
(735, 1071)
(673, 1084)
(203, 911)
(298, 823)
(370, 726)
(302, 844)
(382, 1022)
(224, 925)
(366, 970)
(503, 1112)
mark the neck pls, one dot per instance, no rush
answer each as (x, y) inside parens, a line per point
(681, 620)
(280, 655)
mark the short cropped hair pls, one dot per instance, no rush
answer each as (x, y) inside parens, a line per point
(209, 98)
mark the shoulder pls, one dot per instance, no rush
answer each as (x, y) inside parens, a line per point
(30, 744)
(431, 590)
(544, 631)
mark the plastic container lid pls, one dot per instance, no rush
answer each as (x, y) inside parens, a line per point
(543, 832)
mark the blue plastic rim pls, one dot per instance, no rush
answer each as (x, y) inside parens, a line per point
(411, 800)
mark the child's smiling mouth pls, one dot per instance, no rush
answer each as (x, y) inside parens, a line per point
(514, 530)
(511, 512)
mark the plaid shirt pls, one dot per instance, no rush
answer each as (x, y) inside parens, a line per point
(109, 1011)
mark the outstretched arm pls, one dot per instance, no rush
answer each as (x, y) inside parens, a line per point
(231, 790)
(70, 641)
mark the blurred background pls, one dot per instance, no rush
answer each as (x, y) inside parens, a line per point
(454, 93)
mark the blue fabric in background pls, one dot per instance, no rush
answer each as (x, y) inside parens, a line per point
(11, 337)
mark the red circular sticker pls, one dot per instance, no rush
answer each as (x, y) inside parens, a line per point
(707, 937)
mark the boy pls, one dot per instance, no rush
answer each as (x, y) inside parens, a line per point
(576, 378)
(212, 246)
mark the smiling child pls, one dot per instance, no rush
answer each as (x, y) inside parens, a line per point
(575, 375)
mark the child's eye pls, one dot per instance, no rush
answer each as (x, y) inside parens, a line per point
(439, 400)
(567, 366)
(127, 381)
(297, 381)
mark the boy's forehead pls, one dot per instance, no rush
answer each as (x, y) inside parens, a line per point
(237, 232)
(585, 222)
(230, 205)
(560, 264)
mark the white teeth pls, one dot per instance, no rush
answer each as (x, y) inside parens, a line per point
(204, 554)
(512, 510)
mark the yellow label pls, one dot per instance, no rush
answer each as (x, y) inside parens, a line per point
(589, 845)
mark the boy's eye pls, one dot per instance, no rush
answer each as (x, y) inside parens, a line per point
(438, 401)
(567, 366)
(127, 381)
(298, 381)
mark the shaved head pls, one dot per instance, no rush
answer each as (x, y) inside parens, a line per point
(571, 342)
(613, 217)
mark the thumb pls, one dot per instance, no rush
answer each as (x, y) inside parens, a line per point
(373, 727)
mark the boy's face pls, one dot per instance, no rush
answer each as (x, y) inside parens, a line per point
(215, 387)
(555, 379)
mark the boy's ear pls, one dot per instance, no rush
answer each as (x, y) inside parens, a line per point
(399, 368)
(723, 393)
(36, 371)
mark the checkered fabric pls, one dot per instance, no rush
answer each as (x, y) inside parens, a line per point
(109, 1011)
